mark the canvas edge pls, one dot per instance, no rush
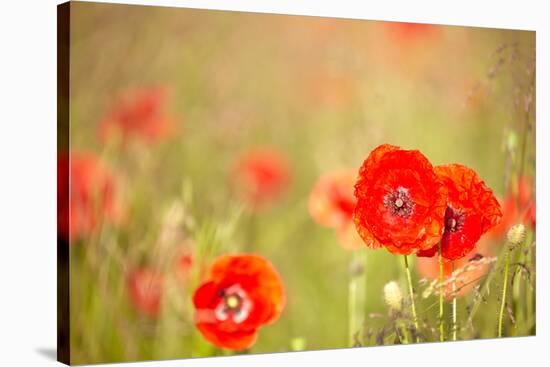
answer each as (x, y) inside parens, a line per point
(63, 89)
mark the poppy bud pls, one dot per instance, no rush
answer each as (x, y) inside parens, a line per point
(516, 234)
(356, 268)
(393, 295)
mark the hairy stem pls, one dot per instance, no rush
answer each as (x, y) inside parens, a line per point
(454, 301)
(503, 296)
(357, 291)
(352, 299)
(411, 294)
(441, 330)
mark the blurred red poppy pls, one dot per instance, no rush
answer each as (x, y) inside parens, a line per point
(145, 288)
(184, 262)
(472, 210)
(468, 272)
(406, 33)
(241, 293)
(261, 176)
(87, 195)
(530, 216)
(138, 113)
(330, 89)
(348, 237)
(521, 195)
(331, 204)
(400, 201)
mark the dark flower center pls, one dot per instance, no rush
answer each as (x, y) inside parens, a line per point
(234, 304)
(399, 202)
(454, 219)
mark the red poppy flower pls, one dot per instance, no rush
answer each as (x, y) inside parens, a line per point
(86, 195)
(138, 113)
(240, 294)
(400, 201)
(261, 176)
(468, 272)
(472, 210)
(520, 195)
(145, 288)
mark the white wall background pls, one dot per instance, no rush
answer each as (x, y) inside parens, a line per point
(28, 181)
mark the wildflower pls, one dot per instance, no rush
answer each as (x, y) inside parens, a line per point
(393, 296)
(400, 201)
(261, 176)
(516, 234)
(331, 202)
(241, 293)
(87, 195)
(145, 287)
(138, 113)
(471, 211)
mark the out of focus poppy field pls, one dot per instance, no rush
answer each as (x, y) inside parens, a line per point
(253, 183)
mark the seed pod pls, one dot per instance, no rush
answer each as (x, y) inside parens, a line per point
(393, 296)
(516, 234)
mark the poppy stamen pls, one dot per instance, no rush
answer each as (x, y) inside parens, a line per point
(399, 202)
(454, 219)
(233, 301)
(234, 304)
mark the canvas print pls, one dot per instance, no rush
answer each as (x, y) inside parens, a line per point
(238, 183)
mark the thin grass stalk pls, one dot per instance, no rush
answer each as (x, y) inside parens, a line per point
(484, 289)
(411, 294)
(352, 310)
(357, 295)
(530, 287)
(441, 329)
(454, 300)
(503, 296)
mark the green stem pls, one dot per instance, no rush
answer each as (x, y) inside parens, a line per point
(441, 329)
(352, 299)
(454, 300)
(528, 287)
(519, 293)
(405, 333)
(365, 281)
(485, 289)
(357, 307)
(503, 296)
(411, 294)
